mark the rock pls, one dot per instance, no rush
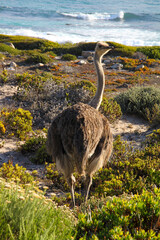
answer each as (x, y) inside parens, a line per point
(40, 65)
(90, 59)
(141, 66)
(117, 66)
(86, 54)
(108, 61)
(58, 57)
(10, 44)
(10, 69)
(13, 65)
(82, 62)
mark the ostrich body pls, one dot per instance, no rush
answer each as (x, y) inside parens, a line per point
(79, 138)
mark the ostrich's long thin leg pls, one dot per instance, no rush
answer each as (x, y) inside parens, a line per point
(71, 182)
(88, 184)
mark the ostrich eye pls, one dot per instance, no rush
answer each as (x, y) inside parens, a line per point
(100, 46)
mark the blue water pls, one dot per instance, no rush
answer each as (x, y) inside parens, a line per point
(132, 23)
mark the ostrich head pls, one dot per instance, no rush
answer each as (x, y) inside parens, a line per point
(102, 48)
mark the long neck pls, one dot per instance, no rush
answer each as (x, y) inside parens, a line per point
(97, 99)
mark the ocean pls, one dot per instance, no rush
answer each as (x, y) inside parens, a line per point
(134, 23)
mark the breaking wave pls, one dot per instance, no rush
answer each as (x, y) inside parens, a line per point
(94, 16)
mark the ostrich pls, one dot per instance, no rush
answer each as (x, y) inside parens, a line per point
(80, 138)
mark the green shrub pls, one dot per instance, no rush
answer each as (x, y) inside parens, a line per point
(129, 171)
(32, 144)
(17, 122)
(37, 146)
(144, 101)
(27, 214)
(123, 50)
(127, 218)
(22, 42)
(111, 109)
(69, 57)
(4, 76)
(151, 52)
(15, 173)
(38, 58)
(28, 43)
(28, 81)
(56, 177)
(10, 50)
(153, 138)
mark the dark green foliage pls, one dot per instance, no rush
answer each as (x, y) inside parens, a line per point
(36, 146)
(123, 219)
(38, 58)
(68, 48)
(16, 173)
(10, 50)
(69, 57)
(144, 101)
(27, 214)
(151, 52)
(111, 109)
(78, 48)
(130, 171)
(30, 43)
(23, 42)
(33, 144)
(122, 50)
(28, 81)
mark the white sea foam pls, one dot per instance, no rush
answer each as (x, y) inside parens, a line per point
(77, 21)
(94, 16)
(125, 35)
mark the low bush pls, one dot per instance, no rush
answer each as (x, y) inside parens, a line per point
(15, 173)
(111, 109)
(8, 49)
(69, 57)
(126, 218)
(31, 81)
(36, 146)
(27, 214)
(4, 76)
(38, 58)
(22, 42)
(144, 101)
(16, 122)
(123, 50)
(151, 52)
(129, 171)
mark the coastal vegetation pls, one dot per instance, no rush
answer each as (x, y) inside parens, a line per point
(125, 195)
(28, 43)
(144, 101)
